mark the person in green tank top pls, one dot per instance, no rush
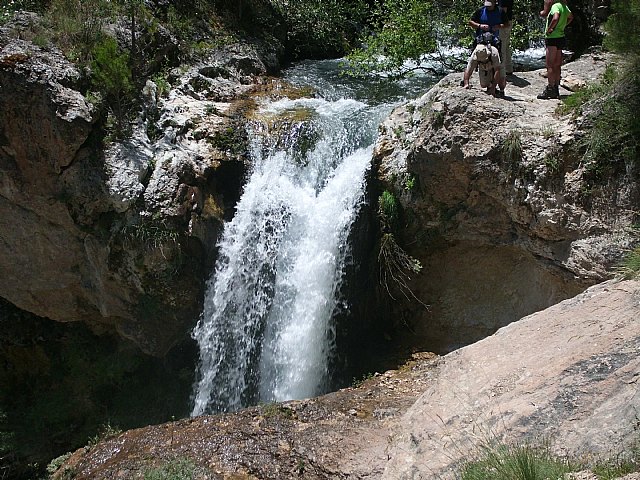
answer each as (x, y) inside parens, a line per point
(558, 17)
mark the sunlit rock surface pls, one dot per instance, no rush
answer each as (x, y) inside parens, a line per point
(119, 234)
(497, 205)
(568, 374)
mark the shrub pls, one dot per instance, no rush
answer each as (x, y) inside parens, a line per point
(111, 75)
(320, 28)
(622, 26)
(76, 25)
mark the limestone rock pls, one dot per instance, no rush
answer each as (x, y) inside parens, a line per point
(118, 234)
(497, 206)
(568, 374)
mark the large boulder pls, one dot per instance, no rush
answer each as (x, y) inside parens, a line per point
(118, 234)
(567, 375)
(498, 206)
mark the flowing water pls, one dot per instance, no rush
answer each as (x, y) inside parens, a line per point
(267, 331)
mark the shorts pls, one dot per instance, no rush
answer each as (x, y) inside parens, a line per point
(559, 42)
(486, 77)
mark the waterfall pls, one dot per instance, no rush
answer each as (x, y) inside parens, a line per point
(266, 331)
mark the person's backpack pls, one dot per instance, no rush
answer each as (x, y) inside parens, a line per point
(487, 38)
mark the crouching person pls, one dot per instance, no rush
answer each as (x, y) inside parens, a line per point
(486, 58)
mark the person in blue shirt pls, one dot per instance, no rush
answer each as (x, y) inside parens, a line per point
(491, 19)
(505, 35)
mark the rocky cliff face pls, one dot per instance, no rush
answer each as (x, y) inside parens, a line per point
(498, 206)
(116, 234)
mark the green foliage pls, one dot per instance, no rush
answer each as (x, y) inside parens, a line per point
(105, 432)
(320, 28)
(410, 182)
(358, 382)
(111, 75)
(178, 469)
(55, 464)
(552, 162)
(404, 30)
(630, 268)
(275, 409)
(232, 140)
(111, 72)
(76, 25)
(622, 27)
(612, 472)
(388, 209)
(515, 462)
(163, 85)
(511, 147)
(610, 110)
(575, 103)
(396, 265)
(150, 234)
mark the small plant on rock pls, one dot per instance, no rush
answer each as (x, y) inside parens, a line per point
(396, 265)
(552, 161)
(177, 469)
(515, 462)
(512, 146)
(629, 268)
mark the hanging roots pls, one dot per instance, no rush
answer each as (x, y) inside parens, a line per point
(396, 268)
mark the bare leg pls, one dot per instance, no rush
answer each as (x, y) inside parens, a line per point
(550, 60)
(553, 73)
(557, 66)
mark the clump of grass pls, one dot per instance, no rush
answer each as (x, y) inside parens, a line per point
(553, 161)
(357, 382)
(575, 103)
(388, 209)
(515, 462)
(274, 409)
(151, 234)
(177, 469)
(548, 132)
(106, 431)
(410, 182)
(629, 268)
(511, 147)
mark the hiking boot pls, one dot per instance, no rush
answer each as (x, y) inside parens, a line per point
(556, 91)
(548, 92)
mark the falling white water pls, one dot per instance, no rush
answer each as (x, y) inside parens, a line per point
(266, 332)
